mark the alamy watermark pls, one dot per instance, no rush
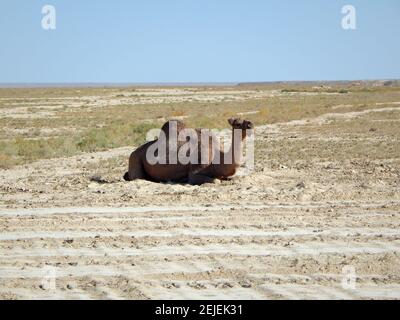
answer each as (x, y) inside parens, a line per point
(202, 146)
(48, 279)
(49, 17)
(348, 22)
(349, 277)
(349, 19)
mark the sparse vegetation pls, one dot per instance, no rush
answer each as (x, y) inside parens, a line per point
(66, 127)
(19, 150)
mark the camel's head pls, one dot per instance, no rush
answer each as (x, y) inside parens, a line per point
(240, 124)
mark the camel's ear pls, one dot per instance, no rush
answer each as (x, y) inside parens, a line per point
(231, 121)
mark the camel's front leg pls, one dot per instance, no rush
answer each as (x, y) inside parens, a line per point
(135, 170)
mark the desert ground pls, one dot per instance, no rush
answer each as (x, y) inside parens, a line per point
(323, 196)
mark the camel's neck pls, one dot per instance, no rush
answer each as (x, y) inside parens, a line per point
(227, 162)
(236, 147)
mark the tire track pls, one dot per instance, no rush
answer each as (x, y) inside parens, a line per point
(202, 208)
(341, 232)
(132, 257)
(307, 248)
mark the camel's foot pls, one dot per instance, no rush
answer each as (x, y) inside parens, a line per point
(126, 176)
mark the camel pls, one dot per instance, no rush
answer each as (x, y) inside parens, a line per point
(216, 165)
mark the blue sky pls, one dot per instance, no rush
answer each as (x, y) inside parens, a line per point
(198, 41)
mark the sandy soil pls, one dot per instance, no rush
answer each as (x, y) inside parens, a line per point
(272, 233)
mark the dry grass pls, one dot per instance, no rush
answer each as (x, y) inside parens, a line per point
(92, 128)
(369, 137)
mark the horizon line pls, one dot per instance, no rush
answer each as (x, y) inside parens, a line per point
(169, 84)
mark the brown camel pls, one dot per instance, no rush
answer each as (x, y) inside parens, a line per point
(217, 165)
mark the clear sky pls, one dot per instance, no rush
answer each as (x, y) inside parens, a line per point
(198, 41)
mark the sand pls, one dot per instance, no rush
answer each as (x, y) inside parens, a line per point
(277, 232)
